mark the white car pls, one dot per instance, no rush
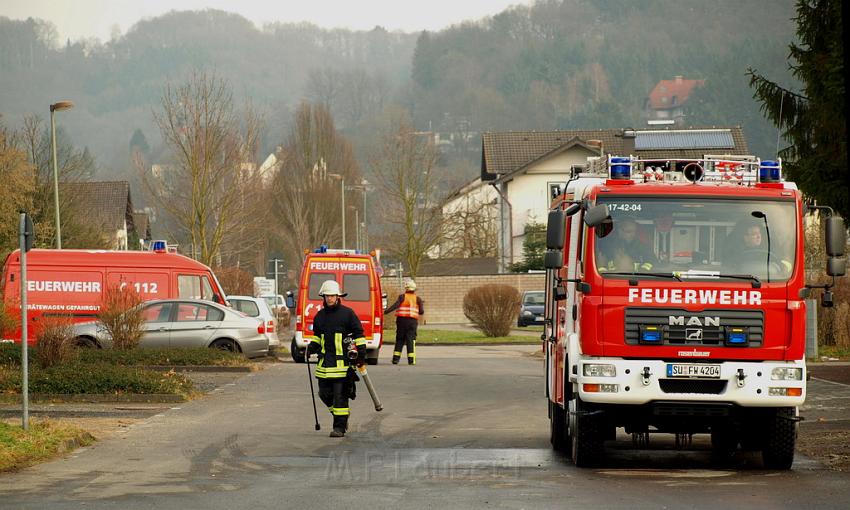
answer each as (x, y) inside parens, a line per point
(259, 309)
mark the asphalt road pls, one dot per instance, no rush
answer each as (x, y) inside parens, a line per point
(465, 428)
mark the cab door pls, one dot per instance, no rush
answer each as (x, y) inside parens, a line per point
(193, 324)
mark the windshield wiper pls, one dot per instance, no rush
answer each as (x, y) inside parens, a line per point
(672, 276)
(753, 278)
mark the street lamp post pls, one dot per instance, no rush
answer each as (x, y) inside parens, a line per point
(342, 200)
(58, 106)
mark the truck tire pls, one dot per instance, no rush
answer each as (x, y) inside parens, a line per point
(372, 356)
(587, 437)
(558, 429)
(779, 438)
(296, 352)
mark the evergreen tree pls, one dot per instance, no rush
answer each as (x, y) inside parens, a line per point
(813, 121)
(533, 248)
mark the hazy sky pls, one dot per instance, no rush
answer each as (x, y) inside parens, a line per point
(96, 18)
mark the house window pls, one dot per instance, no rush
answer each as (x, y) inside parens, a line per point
(555, 189)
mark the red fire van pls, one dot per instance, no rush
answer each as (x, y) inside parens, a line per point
(72, 282)
(359, 276)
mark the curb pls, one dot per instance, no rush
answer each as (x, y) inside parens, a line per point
(198, 368)
(153, 398)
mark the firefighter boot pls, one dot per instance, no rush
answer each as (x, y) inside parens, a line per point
(396, 357)
(337, 433)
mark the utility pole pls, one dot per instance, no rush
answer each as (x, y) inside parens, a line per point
(276, 286)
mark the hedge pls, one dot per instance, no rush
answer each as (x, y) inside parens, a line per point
(95, 379)
(10, 354)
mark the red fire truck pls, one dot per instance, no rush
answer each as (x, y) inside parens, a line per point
(359, 276)
(675, 304)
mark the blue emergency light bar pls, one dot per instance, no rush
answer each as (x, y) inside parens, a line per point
(770, 171)
(159, 246)
(621, 168)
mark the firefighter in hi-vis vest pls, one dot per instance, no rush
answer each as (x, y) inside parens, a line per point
(331, 326)
(408, 308)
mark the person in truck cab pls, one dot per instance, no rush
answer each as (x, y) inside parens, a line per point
(623, 250)
(331, 326)
(748, 251)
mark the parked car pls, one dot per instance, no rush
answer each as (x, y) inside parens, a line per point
(531, 308)
(277, 304)
(188, 323)
(259, 309)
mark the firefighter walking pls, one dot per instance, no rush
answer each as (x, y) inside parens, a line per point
(331, 326)
(408, 308)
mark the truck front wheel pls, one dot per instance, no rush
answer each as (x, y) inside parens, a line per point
(372, 356)
(780, 438)
(296, 352)
(587, 434)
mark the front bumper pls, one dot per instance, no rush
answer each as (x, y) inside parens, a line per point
(637, 382)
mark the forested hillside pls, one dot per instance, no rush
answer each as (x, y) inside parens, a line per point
(555, 64)
(591, 63)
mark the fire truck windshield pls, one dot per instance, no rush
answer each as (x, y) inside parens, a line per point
(697, 238)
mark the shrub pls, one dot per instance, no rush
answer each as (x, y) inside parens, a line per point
(55, 339)
(97, 379)
(9, 319)
(10, 354)
(492, 308)
(175, 356)
(121, 316)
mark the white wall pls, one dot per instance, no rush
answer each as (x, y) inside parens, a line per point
(529, 192)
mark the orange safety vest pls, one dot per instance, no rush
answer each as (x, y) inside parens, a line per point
(409, 307)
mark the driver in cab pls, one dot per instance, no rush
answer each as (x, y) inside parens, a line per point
(623, 251)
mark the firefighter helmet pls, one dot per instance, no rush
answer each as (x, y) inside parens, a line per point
(331, 288)
(410, 285)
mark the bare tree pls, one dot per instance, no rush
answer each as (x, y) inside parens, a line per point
(470, 229)
(308, 204)
(212, 173)
(404, 173)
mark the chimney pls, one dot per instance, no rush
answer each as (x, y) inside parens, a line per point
(597, 144)
(629, 136)
(678, 79)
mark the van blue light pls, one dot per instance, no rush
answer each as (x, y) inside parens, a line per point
(650, 335)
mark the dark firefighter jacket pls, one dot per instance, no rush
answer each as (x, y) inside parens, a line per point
(330, 326)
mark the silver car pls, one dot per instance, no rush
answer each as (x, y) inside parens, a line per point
(188, 323)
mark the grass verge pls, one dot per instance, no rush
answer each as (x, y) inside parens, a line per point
(44, 440)
(832, 353)
(448, 337)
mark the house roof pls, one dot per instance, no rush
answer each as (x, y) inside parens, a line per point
(512, 152)
(672, 93)
(107, 202)
(142, 225)
(459, 266)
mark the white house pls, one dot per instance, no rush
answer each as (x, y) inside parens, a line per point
(521, 172)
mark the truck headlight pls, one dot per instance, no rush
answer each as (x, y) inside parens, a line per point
(599, 370)
(786, 374)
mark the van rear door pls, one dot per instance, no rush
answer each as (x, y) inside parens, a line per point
(359, 298)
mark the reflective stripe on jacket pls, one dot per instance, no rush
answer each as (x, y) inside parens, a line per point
(330, 326)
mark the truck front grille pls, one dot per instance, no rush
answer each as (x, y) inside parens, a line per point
(681, 327)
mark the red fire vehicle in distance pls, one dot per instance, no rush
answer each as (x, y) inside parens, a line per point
(71, 283)
(358, 274)
(675, 303)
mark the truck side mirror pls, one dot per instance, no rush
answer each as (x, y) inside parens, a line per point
(836, 266)
(290, 299)
(596, 215)
(835, 236)
(553, 259)
(555, 229)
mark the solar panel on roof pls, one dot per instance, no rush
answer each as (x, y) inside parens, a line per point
(692, 139)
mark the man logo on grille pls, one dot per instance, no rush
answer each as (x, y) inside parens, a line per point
(679, 320)
(694, 334)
